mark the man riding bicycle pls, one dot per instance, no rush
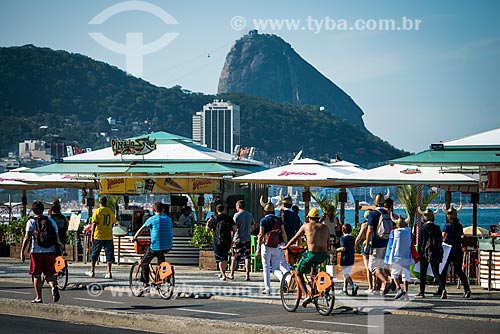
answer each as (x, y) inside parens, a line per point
(318, 241)
(161, 230)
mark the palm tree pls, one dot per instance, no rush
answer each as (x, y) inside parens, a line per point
(407, 196)
(324, 201)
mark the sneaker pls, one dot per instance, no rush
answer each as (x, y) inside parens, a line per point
(389, 286)
(444, 295)
(266, 292)
(55, 294)
(108, 276)
(306, 301)
(467, 294)
(222, 278)
(420, 295)
(36, 301)
(343, 293)
(438, 293)
(400, 294)
(89, 274)
(230, 277)
(355, 288)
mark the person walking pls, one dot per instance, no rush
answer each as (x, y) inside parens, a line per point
(398, 256)
(223, 227)
(430, 248)
(452, 235)
(42, 232)
(61, 221)
(241, 241)
(161, 230)
(102, 236)
(366, 255)
(347, 259)
(377, 234)
(268, 240)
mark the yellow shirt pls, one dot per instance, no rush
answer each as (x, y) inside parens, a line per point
(104, 218)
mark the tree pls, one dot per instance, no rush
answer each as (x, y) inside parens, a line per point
(407, 196)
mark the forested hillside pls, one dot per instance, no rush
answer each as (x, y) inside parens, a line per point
(46, 92)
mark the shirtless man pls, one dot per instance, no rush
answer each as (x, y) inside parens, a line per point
(318, 242)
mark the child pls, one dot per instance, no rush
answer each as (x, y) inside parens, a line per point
(398, 255)
(347, 258)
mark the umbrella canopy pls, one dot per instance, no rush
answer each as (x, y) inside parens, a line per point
(20, 179)
(470, 154)
(480, 230)
(390, 175)
(303, 172)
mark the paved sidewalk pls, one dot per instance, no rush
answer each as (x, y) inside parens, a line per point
(190, 282)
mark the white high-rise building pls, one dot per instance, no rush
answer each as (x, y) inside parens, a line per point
(218, 126)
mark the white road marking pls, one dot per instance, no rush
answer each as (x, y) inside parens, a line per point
(202, 311)
(339, 323)
(98, 300)
(19, 292)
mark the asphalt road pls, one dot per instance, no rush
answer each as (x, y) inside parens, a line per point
(343, 319)
(28, 325)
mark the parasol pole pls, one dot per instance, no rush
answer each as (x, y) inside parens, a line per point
(24, 201)
(306, 196)
(474, 198)
(417, 214)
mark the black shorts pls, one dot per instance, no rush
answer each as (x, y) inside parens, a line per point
(241, 251)
(221, 252)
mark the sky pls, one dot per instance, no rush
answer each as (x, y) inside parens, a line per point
(435, 79)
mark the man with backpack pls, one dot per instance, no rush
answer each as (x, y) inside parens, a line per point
(61, 221)
(430, 249)
(271, 227)
(43, 233)
(223, 227)
(377, 236)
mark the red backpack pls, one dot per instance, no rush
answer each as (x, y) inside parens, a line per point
(272, 238)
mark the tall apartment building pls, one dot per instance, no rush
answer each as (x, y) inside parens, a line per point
(217, 126)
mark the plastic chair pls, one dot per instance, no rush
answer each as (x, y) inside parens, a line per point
(255, 261)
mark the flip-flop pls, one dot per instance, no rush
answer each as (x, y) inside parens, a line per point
(55, 294)
(36, 301)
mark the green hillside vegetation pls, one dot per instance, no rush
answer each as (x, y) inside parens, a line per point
(74, 95)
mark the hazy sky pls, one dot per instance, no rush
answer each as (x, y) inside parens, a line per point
(416, 87)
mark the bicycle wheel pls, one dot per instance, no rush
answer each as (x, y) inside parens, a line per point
(135, 284)
(62, 277)
(166, 289)
(324, 303)
(289, 292)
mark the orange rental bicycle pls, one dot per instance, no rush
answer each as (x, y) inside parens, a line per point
(162, 278)
(61, 273)
(321, 287)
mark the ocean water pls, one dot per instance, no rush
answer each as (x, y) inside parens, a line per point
(485, 216)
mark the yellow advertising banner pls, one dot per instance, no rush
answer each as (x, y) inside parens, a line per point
(136, 186)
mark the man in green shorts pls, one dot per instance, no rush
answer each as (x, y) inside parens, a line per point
(318, 241)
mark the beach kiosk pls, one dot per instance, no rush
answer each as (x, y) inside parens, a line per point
(165, 164)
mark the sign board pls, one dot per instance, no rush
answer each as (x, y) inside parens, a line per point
(139, 146)
(489, 181)
(74, 222)
(136, 186)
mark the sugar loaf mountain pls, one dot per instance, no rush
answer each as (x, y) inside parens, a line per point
(46, 93)
(267, 66)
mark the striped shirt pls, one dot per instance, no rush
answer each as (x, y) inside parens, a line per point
(161, 230)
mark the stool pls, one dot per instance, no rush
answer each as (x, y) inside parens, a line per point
(255, 261)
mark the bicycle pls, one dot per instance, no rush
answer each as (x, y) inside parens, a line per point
(321, 287)
(61, 274)
(162, 278)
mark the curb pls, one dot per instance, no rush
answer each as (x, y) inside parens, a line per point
(442, 316)
(144, 322)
